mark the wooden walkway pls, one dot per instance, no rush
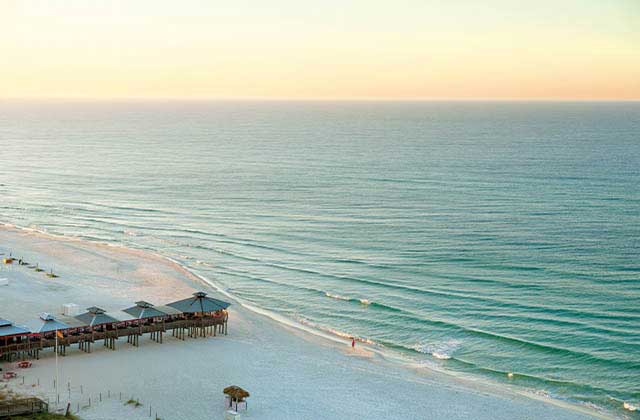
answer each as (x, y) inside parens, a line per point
(180, 328)
(22, 406)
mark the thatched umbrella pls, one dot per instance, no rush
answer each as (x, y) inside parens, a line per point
(236, 393)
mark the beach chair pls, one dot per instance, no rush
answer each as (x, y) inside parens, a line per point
(9, 375)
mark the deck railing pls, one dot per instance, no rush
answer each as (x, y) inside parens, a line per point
(33, 343)
(22, 406)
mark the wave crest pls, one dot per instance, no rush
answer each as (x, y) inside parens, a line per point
(334, 296)
(630, 407)
(362, 301)
(442, 351)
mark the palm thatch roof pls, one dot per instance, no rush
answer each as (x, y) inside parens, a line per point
(199, 303)
(236, 393)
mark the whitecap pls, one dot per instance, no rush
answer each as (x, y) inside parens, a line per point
(441, 356)
(339, 297)
(441, 351)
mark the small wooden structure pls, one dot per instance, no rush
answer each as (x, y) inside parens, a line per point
(235, 398)
(22, 407)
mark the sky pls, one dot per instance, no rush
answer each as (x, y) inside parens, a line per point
(330, 49)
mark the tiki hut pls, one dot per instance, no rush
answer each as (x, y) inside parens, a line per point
(236, 397)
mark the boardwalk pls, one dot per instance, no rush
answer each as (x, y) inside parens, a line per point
(22, 407)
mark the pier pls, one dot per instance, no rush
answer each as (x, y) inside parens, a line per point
(197, 316)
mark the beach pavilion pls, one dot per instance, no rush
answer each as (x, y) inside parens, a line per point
(195, 316)
(147, 315)
(13, 339)
(96, 317)
(202, 307)
(46, 325)
(145, 310)
(98, 321)
(44, 328)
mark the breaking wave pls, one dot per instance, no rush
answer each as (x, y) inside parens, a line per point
(442, 350)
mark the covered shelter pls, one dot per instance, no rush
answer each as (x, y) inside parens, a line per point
(148, 319)
(200, 303)
(102, 327)
(236, 397)
(145, 310)
(95, 317)
(169, 311)
(196, 316)
(13, 338)
(9, 330)
(210, 315)
(47, 323)
(44, 329)
(123, 318)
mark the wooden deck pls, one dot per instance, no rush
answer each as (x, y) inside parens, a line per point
(180, 328)
(22, 406)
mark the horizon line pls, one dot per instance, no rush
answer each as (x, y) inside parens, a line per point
(307, 99)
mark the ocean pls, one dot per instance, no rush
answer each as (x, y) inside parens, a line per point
(494, 240)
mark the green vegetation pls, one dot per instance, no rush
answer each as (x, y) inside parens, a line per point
(133, 402)
(8, 395)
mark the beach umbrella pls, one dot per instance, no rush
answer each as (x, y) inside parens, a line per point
(236, 393)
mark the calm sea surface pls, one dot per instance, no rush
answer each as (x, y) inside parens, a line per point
(483, 238)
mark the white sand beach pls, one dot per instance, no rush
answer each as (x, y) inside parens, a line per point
(290, 373)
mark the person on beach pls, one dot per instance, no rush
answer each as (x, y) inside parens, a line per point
(353, 343)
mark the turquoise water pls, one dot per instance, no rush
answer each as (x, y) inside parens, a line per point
(482, 238)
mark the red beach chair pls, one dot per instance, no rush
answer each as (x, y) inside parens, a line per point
(24, 364)
(9, 375)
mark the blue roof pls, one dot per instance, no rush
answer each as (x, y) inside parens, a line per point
(46, 323)
(144, 310)
(7, 329)
(95, 316)
(199, 303)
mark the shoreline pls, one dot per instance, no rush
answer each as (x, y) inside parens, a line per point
(247, 313)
